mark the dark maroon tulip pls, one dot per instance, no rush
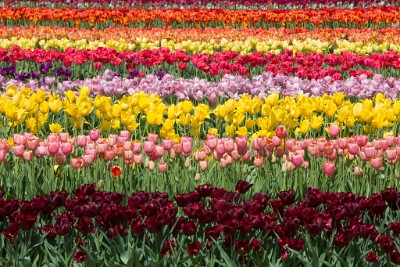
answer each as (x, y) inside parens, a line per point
(392, 198)
(314, 197)
(189, 228)
(205, 190)
(85, 190)
(117, 230)
(386, 244)
(149, 209)
(195, 197)
(237, 212)
(261, 198)
(371, 257)
(366, 230)
(254, 207)
(25, 222)
(218, 204)
(214, 231)
(287, 197)
(80, 256)
(57, 198)
(340, 240)
(316, 227)
(153, 225)
(206, 217)
(194, 209)
(85, 225)
(243, 186)
(376, 205)
(395, 257)
(277, 206)
(183, 199)
(137, 227)
(11, 232)
(63, 224)
(395, 227)
(194, 249)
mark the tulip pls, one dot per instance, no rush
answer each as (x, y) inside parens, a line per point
(81, 140)
(329, 168)
(262, 141)
(88, 159)
(125, 134)
(18, 150)
(149, 147)
(118, 149)
(369, 151)
(197, 177)
(376, 162)
(112, 139)
(76, 163)
(281, 132)
(297, 159)
(162, 167)
(334, 130)
(211, 141)
(128, 154)
(276, 141)
(187, 147)
(258, 161)
(28, 155)
(19, 139)
(128, 145)
(203, 165)
(67, 148)
(116, 171)
(137, 148)
(353, 148)
(53, 147)
(3, 155)
(241, 143)
(228, 144)
(167, 144)
(63, 137)
(391, 154)
(290, 166)
(42, 151)
(109, 154)
(199, 155)
(138, 159)
(150, 165)
(151, 137)
(220, 148)
(94, 134)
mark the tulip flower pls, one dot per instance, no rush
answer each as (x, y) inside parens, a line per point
(329, 168)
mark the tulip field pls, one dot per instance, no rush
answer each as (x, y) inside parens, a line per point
(200, 133)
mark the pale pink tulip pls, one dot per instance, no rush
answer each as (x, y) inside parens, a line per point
(329, 168)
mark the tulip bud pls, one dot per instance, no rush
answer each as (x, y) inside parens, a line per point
(203, 165)
(150, 165)
(197, 177)
(358, 171)
(258, 161)
(100, 184)
(187, 162)
(28, 155)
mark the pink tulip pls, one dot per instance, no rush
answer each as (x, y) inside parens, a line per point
(334, 130)
(241, 143)
(88, 159)
(118, 149)
(42, 151)
(149, 147)
(151, 137)
(369, 151)
(4, 145)
(290, 166)
(313, 150)
(150, 165)
(137, 147)
(94, 134)
(100, 148)
(128, 154)
(235, 155)
(53, 137)
(329, 168)
(159, 151)
(18, 150)
(121, 140)
(32, 143)
(220, 148)
(28, 155)
(91, 151)
(279, 152)
(376, 162)
(125, 134)
(138, 159)
(162, 167)
(67, 148)
(112, 139)
(3, 155)
(289, 143)
(353, 148)
(342, 143)
(258, 161)
(186, 147)
(167, 144)
(328, 148)
(211, 141)
(19, 139)
(63, 137)
(281, 132)
(177, 148)
(276, 141)
(77, 163)
(246, 156)
(53, 147)
(81, 140)
(391, 140)
(199, 155)
(203, 165)
(262, 141)
(362, 140)
(207, 150)
(305, 165)
(228, 144)
(391, 153)
(128, 145)
(109, 154)
(297, 159)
